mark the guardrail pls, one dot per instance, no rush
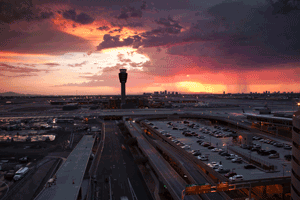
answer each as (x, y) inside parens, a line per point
(163, 179)
(94, 165)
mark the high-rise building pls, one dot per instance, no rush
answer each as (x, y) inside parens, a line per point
(295, 182)
(165, 91)
(123, 79)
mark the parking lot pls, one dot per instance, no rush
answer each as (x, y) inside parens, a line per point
(220, 139)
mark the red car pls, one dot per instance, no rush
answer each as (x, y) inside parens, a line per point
(230, 174)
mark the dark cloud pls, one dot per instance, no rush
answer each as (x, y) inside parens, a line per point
(46, 15)
(132, 12)
(82, 18)
(118, 30)
(78, 64)
(103, 28)
(11, 11)
(134, 24)
(52, 64)
(114, 41)
(45, 41)
(20, 71)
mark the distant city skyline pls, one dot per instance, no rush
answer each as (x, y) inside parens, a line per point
(70, 47)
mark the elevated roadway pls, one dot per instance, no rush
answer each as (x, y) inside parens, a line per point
(189, 165)
(167, 174)
(70, 175)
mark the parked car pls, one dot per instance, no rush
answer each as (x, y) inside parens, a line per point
(232, 156)
(230, 174)
(236, 178)
(255, 149)
(279, 145)
(221, 151)
(215, 150)
(276, 155)
(249, 167)
(211, 147)
(222, 171)
(206, 144)
(197, 153)
(202, 158)
(225, 154)
(263, 152)
(217, 166)
(272, 151)
(287, 147)
(237, 160)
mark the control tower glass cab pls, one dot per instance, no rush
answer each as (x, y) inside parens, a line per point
(123, 79)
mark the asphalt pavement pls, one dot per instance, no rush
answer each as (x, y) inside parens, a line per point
(117, 168)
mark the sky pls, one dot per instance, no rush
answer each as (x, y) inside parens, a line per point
(69, 47)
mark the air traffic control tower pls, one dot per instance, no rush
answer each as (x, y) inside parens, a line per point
(123, 79)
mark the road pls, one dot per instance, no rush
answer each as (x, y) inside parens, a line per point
(117, 168)
(171, 179)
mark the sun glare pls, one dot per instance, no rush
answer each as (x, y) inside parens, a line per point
(192, 86)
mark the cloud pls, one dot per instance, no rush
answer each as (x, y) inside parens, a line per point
(96, 83)
(78, 64)
(52, 64)
(82, 18)
(114, 41)
(44, 41)
(122, 59)
(132, 12)
(11, 11)
(20, 71)
(103, 28)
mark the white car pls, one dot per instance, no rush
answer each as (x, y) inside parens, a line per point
(202, 158)
(237, 160)
(217, 166)
(236, 178)
(276, 155)
(215, 150)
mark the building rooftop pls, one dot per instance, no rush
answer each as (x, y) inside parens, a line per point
(70, 174)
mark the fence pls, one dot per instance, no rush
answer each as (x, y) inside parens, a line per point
(94, 166)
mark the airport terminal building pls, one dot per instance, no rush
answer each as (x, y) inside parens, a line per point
(295, 190)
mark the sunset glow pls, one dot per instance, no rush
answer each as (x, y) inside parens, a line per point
(78, 47)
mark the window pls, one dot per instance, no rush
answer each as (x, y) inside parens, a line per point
(296, 160)
(296, 175)
(296, 145)
(297, 130)
(297, 192)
